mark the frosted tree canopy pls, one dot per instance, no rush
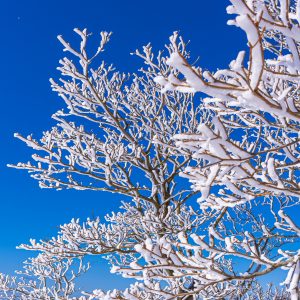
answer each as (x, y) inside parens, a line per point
(207, 162)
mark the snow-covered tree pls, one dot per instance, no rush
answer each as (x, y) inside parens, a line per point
(44, 277)
(239, 147)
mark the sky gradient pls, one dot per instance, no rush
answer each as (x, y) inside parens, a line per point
(29, 56)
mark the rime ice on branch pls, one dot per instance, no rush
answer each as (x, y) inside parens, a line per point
(249, 147)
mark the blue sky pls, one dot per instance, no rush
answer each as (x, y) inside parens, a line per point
(29, 55)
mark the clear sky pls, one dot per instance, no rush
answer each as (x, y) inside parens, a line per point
(29, 54)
